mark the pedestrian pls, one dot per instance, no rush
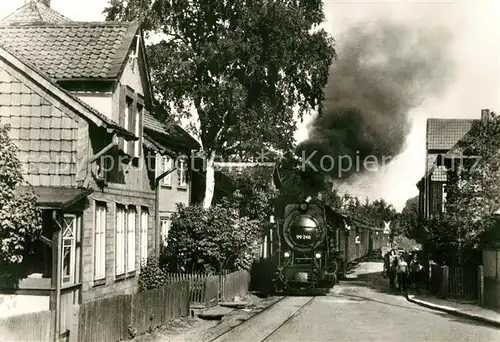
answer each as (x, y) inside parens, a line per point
(392, 267)
(415, 268)
(402, 272)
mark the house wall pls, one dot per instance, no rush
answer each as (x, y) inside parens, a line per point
(45, 131)
(14, 304)
(112, 286)
(103, 102)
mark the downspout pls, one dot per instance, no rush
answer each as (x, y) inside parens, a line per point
(157, 207)
(57, 327)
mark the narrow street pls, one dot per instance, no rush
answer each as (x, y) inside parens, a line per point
(363, 308)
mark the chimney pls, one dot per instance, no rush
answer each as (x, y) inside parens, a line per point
(485, 116)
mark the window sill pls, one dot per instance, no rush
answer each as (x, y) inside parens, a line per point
(182, 187)
(100, 282)
(166, 186)
(125, 276)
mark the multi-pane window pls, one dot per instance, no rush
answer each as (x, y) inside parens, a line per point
(127, 115)
(69, 249)
(144, 234)
(120, 240)
(182, 173)
(100, 241)
(131, 239)
(166, 163)
(164, 229)
(125, 251)
(137, 130)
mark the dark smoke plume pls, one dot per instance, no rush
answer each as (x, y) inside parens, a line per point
(383, 71)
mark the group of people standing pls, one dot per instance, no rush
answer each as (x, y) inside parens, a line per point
(402, 269)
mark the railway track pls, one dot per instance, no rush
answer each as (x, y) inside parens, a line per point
(270, 329)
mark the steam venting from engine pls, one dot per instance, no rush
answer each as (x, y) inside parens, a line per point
(383, 71)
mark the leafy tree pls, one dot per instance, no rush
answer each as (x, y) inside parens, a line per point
(211, 240)
(239, 68)
(474, 183)
(254, 196)
(20, 220)
(408, 219)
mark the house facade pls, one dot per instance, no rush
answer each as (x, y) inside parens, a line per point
(79, 101)
(442, 137)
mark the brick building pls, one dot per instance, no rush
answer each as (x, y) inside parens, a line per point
(78, 98)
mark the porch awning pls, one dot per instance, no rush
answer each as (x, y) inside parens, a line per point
(56, 197)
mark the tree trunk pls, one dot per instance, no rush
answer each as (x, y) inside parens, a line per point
(209, 181)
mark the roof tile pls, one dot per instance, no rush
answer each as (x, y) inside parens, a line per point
(35, 12)
(72, 50)
(443, 134)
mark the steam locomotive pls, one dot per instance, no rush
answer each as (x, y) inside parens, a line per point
(306, 253)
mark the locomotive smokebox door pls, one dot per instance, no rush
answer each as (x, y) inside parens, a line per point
(304, 226)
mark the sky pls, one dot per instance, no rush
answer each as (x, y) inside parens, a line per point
(475, 49)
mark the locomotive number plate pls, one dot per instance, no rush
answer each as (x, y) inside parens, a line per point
(303, 237)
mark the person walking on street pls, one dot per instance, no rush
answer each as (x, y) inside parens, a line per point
(415, 268)
(392, 267)
(402, 271)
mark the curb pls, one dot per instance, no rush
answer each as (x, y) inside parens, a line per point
(453, 311)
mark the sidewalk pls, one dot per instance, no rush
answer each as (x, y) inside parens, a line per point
(457, 308)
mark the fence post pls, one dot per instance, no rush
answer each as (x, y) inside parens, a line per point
(480, 279)
(444, 281)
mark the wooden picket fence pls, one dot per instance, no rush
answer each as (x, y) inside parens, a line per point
(116, 318)
(208, 289)
(456, 282)
(110, 319)
(31, 327)
(119, 317)
(463, 283)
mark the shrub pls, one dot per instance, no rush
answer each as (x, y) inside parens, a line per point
(152, 275)
(20, 220)
(211, 240)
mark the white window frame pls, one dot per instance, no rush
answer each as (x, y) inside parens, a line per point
(120, 240)
(69, 240)
(144, 233)
(165, 225)
(166, 164)
(182, 174)
(130, 238)
(137, 129)
(100, 241)
(126, 122)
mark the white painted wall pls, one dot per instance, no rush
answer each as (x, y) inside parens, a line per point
(99, 101)
(13, 305)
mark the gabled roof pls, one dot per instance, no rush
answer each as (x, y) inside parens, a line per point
(173, 136)
(443, 134)
(42, 80)
(73, 50)
(35, 12)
